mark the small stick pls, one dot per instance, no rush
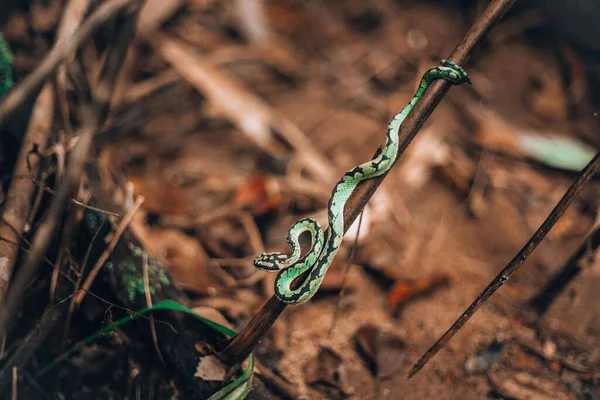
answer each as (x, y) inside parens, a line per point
(58, 54)
(21, 190)
(514, 264)
(146, 278)
(95, 116)
(578, 262)
(107, 252)
(244, 342)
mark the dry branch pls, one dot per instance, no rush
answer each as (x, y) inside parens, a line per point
(95, 117)
(243, 344)
(514, 264)
(61, 50)
(18, 198)
(248, 112)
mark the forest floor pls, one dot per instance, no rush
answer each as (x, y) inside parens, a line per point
(232, 127)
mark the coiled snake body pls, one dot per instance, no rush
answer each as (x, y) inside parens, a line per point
(325, 245)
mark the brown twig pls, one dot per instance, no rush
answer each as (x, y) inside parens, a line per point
(20, 192)
(48, 189)
(107, 252)
(77, 283)
(146, 278)
(73, 15)
(514, 264)
(61, 50)
(583, 258)
(95, 117)
(242, 344)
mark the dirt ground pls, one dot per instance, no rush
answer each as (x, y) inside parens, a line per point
(234, 125)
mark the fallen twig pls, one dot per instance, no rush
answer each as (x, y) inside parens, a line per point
(263, 125)
(96, 115)
(514, 264)
(107, 252)
(149, 301)
(61, 50)
(18, 197)
(585, 256)
(243, 344)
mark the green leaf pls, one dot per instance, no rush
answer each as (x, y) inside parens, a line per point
(557, 151)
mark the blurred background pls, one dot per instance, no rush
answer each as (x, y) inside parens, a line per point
(230, 120)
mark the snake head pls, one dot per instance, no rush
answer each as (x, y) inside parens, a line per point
(457, 75)
(270, 261)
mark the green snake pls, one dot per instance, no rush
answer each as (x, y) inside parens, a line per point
(325, 245)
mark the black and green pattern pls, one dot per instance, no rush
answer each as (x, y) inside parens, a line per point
(325, 245)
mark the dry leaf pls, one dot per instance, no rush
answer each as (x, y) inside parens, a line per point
(161, 197)
(248, 112)
(483, 360)
(185, 260)
(210, 368)
(402, 292)
(213, 315)
(328, 372)
(527, 386)
(385, 353)
(260, 195)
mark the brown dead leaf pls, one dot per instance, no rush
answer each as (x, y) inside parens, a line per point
(484, 359)
(185, 260)
(334, 279)
(259, 194)
(577, 71)
(213, 315)
(285, 17)
(519, 374)
(403, 292)
(161, 197)
(384, 353)
(210, 368)
(327, 371)
(526, 385)
(249, 113)
(495, 132)
(238, 308)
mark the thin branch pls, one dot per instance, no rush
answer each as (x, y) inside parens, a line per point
(514, 264)
(51, 191)
(242, 344)
(149, 302)
(583, 258)
(108, 251)
(61, 50)
(18, 198)
(95, 117)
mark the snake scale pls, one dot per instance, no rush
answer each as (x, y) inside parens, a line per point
(325, 245)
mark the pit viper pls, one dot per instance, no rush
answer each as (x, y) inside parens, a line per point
(325, 244)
